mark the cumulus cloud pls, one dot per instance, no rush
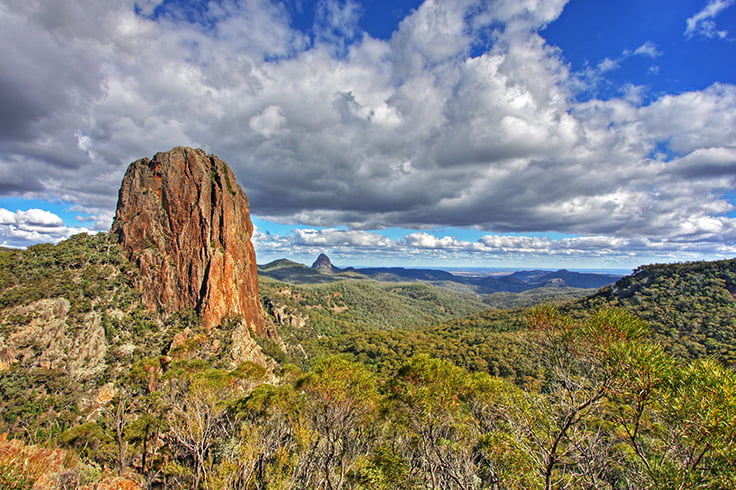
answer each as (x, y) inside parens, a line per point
(334, 238)
(648, 49)
(18, 229)
(465, 117)
(426, 240)
(268, 122)
(703, 23)
(428, 249)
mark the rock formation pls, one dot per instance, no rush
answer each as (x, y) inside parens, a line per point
(52, 340)
(184, 220)
(323, 264)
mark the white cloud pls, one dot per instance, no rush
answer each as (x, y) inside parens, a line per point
(693, 120)
(339, 238)
(592, 77)
(38, 218)
(427, 249)
(434, 34)
(268, 122)
(425, 240)
(648, 49)
(6, 217)
(703, 23)
(23, 228)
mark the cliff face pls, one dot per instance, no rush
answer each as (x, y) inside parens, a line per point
(184, 220)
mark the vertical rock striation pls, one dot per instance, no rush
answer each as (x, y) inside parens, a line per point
(184, 220)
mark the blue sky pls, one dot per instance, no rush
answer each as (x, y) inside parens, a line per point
(505, 133)
(589, 32)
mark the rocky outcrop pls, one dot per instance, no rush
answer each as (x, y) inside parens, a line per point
(184, 220)
(48, 338)
(323, 264)
(284, 315)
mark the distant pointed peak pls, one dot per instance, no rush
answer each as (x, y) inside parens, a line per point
(323, 264)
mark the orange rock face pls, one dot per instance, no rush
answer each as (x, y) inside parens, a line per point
(184, 220)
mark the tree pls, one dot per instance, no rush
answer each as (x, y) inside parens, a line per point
(699, 412)
(568, 434)
(274, 436)
(431, 400)
(196, 417)
(341, 405)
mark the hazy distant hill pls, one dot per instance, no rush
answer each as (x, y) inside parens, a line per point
(494, 284)
(322, 271)
(296, 273)
(400, 274)
(567, 278)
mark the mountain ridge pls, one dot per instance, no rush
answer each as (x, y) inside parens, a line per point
(691, 306)
(323, 270)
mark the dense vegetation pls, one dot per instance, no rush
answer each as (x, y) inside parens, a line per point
(689, 306)
(610, 410)
(494, 342)
(372, 390)
(339, 305)
(383, 324)
(83, 267)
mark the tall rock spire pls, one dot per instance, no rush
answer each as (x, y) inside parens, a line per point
(184, 220)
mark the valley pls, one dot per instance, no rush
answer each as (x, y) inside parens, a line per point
(356, 347)
(160, 355)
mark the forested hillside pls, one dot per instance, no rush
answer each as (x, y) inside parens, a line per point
(372, 385)
(690, 307)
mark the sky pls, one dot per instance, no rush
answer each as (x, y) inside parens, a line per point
(483, 133)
